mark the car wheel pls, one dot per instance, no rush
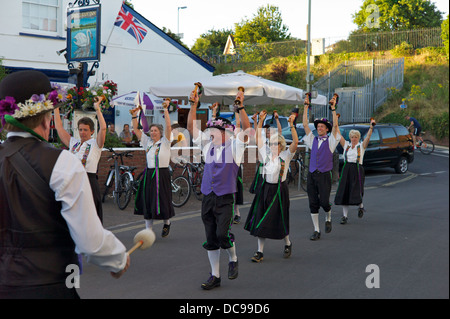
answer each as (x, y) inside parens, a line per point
(402, 165)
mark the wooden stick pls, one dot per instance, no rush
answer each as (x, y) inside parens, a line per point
(136, 246)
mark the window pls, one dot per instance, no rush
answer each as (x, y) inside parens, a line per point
(374, 138)
(403, 133)
(388, 135)
(40, 15)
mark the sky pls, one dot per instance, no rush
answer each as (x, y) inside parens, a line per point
(329, 18)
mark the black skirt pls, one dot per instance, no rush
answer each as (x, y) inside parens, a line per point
(239, 195)
(269, 214)
(155, 202)
(255, 187)
(93, 180)
(351, 185)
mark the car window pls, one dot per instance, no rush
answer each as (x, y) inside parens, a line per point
(283, 122)
(375, 138)
(388, 135)
(403, 133)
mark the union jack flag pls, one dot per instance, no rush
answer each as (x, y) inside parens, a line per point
(129, 23)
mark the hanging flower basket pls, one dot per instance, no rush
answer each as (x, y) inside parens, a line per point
(84, 97)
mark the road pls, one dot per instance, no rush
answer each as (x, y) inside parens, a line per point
(399, 249)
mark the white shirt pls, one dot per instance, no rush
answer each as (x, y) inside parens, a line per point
(71, 185)
(272, 166)
(332, 141)
(150, 148)
(237, 147)
(93, 154)
(352, 154)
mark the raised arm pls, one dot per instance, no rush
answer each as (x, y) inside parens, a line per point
(64, 136)
(305, 116)
(294, 144)
(335, 129)
(369, 134)
(101, 136)
(134, 120)
(242, 113)
(278, 122)
(192, 116)
(168, 129)
(262, 117)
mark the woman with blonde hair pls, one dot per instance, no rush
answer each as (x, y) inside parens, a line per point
(269, 213)
(351, 183)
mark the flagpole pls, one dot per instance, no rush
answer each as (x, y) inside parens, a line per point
(109, 37)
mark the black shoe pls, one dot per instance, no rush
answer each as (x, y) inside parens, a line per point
(258, 257)
(315, 236)
(165, 230)
(344, 220)
(328, 227)
(233, 270)
(287, 251)
(211, 283)
(361, 211)
(237, 219)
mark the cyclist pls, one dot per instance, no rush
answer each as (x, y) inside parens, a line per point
(417, 128)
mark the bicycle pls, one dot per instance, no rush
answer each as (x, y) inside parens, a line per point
(300, 168)
(122, 177)
(194, 173)
(426, 146)
(181, 190)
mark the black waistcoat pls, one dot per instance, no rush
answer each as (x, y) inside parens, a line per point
(35, 244)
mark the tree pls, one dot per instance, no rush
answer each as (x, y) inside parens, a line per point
(266, 26)
(174, 36)
(396, 15)
(211, 42)
(444, 34)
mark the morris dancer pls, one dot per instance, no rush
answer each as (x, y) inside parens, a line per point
(87, 149)
(351, 183)
(222, 159)
(265, 137)
(321, 165)
(46, 212)
(269, 214)
(154, 197)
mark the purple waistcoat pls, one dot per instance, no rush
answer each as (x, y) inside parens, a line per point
(220, 177)
(321, 158)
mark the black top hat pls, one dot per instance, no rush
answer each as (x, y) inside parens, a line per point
(22, 85)
(323, 121)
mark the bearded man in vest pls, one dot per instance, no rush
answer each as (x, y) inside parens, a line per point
(222, 156)
(47, 212)
(320, 165)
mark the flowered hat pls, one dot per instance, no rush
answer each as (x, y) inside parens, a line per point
(25, 94)
(220, 123)
(323, 121)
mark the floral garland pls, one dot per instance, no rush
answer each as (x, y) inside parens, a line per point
(36, 104)
(219, 123)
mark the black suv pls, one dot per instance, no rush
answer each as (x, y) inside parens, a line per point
(390, 146)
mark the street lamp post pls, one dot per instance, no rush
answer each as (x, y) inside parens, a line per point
(178, 20)
(308, 74)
